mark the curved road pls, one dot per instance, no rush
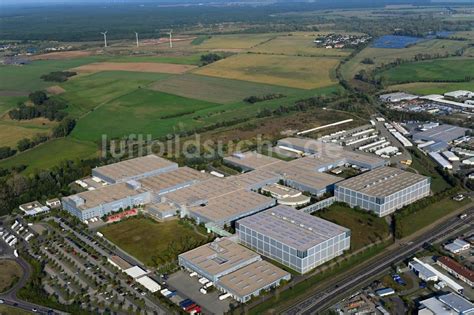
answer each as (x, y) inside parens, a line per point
(327, 296)
(10, 297)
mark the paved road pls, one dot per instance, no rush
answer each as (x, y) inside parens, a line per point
(10, 297)
(327, 296)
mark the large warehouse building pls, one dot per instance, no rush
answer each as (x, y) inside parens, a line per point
(383, 190)
(294, 238)
(133, 169)
(111, 198)
(152, 180)
(233, 268)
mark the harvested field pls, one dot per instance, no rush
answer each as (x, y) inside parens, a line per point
(153, 67)
(234, 42)
(55, 89)
(59, 55)
(290, 71)
(216, 90)
(10, 272)
(298, 45)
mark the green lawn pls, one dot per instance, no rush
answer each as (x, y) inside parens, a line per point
(142, 111)
(217, 90)
(27, 78)
(153, 242)
(365, 228)
(9, 310)
(51, 153)
(89, 91)
(427, 167)
(453, 69)
(411, 223)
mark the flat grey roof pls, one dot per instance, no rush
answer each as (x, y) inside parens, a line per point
(456, 302)
(252, 278)
(219, 256)
(382, 182)
(203, 190)
(134, 167)
(294, 228)
(252, 160)
(173, 178)
(443, 133)
(103, 195)
(313, 179)
(250, 179)
(231, 205)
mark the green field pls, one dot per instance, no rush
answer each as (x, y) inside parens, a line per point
(51, 153)
(142, 111)
(453, 69)
(427, 167)
(86, 92)
(10, 310)
(150, 241)
(365, 228)
(382, 56)
(216, 90)
(425, 88)
(27, 78)
(412, 223)
(289, 71)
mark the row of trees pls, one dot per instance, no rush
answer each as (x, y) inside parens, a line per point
(58, 76)
(255, 99)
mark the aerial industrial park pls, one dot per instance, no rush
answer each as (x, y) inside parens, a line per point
(237, 157)
(262, 219)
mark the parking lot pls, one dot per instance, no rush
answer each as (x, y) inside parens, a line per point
(189, 287)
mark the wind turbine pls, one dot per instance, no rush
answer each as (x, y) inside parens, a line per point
(105, 38)
(171, 36)
(136, 36)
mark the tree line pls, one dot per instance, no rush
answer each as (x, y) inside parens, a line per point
(43, 106)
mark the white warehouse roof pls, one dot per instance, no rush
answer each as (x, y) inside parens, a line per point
(149, 284)
(135, 272)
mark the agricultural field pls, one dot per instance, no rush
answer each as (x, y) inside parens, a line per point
(10, 272)
(152, 67)
(296, 72)
(298, 44)
(425, 88)
(189, 59)
(26, 78)
(234, 42)
(365, 227)
(452, 69)
(386, 55)
(51, 153)
(12, 131)
(216, 90)
(150, 241)
(84, 93)
(142, 111)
